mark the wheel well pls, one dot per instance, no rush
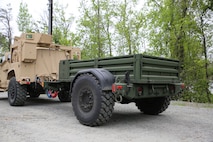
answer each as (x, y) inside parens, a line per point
(105, 77)
(10, 74)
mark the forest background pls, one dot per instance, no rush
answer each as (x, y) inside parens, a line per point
(178, 29)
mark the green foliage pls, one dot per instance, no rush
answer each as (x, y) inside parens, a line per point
(24, 19)
(92, 28)
(61, 25)
(3, 44)
(5, 28)
(195, 81)
(129, 27)
(176, 30)
(110, 27)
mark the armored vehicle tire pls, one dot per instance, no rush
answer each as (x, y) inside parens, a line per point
(17, 94)
(91, 105)
(153, 106)
(64, 96)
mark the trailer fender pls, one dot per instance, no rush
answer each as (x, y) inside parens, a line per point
(104, 76)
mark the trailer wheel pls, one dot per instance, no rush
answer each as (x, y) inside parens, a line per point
(153, 106)
(17, 94)
(91, 105)
(64, 96)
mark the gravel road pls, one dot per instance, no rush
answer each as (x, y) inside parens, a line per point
(49, 120)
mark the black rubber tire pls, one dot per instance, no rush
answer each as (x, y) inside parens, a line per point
(91, 105)
(17, 94)
(153, 106)
(64, 96)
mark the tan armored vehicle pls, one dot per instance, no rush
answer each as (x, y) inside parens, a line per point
(33, 59)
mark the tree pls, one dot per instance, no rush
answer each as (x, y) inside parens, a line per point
(108, 24)
(6, 29)
(129, 27)
(91, 28)
(42, 24)
(204, 10)
(3, 44)
(24, 19)
(62, 23)
(109, 27)
(176, 32)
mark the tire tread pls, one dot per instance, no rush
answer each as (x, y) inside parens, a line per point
(21, 91)
(107, 104)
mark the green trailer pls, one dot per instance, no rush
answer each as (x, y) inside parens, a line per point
(95, 85)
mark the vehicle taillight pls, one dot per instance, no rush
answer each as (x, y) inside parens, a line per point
(140, 90)
(119, 87)
(116, 87)
(113, 88)
(182, 86)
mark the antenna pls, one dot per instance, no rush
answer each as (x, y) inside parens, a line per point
(50, 8)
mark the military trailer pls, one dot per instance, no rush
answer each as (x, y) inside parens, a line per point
(33, 59)
(95, 85)
(36, 66)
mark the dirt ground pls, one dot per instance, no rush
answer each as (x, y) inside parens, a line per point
(49, 120)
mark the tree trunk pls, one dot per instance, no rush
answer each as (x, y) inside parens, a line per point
(208, 93)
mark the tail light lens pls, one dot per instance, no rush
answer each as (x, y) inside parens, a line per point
(116, 87)
(140, 90)
(113, 88)
(182, 86)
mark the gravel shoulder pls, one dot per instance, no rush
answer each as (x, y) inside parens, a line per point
(49, 120)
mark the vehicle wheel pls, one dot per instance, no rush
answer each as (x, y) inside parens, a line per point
(16, 93)
(91, 105)
(153, 106)
(64, 96)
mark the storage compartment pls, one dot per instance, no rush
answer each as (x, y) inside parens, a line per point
(28, 52)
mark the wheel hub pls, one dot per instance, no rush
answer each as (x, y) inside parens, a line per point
(12, 92)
